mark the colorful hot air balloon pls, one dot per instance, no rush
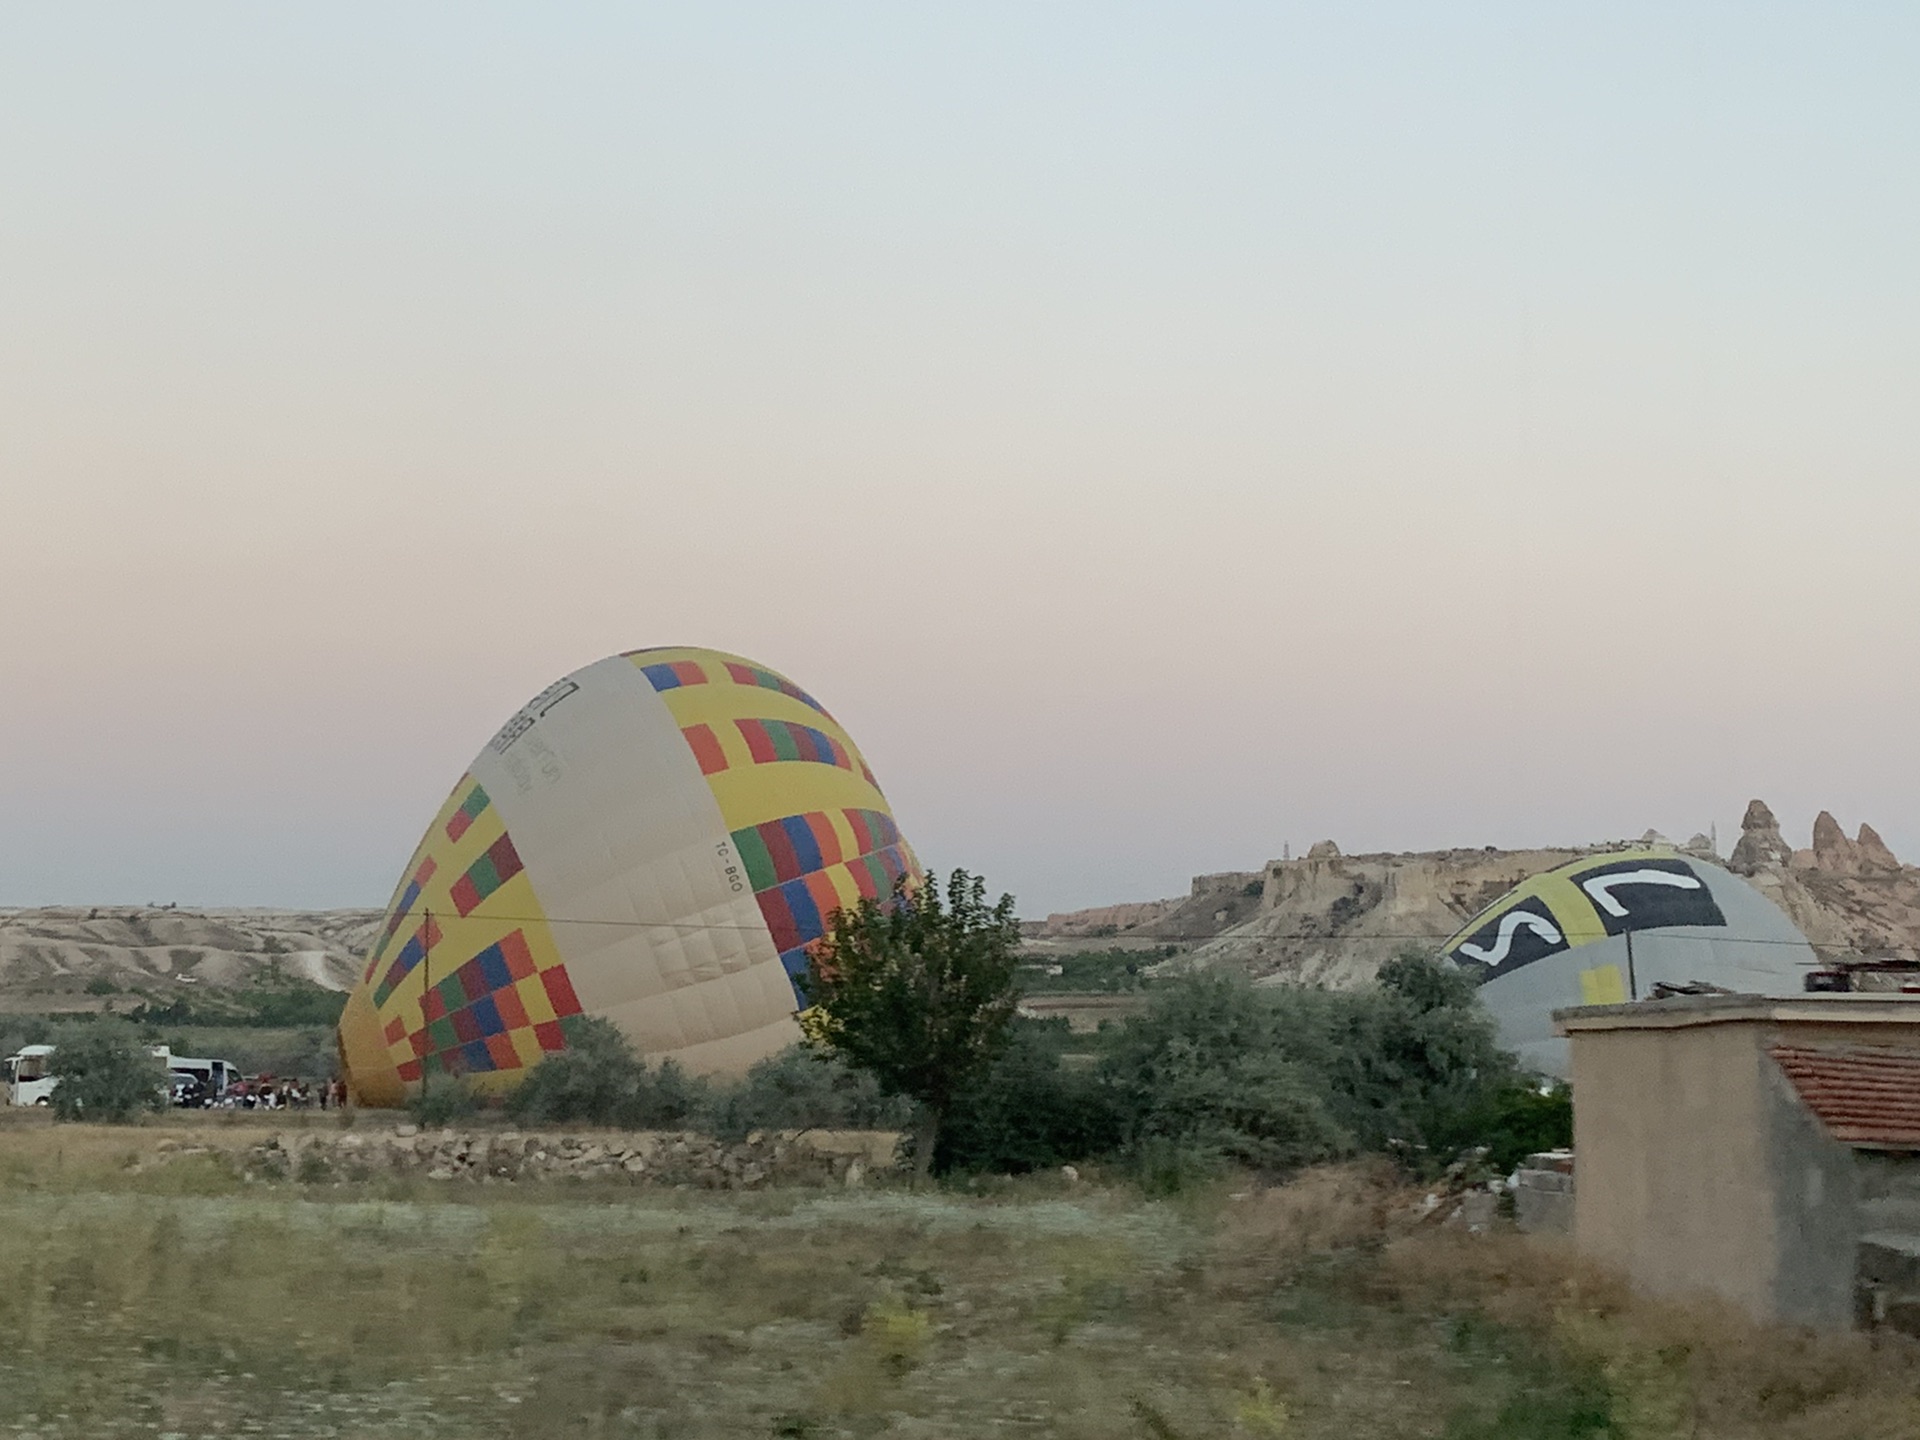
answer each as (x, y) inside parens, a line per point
(655, 839)
(1607, 928)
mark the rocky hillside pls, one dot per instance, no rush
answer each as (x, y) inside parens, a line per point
(1329, 918)
(1324, 918)
(80, 958)
(1849, 897)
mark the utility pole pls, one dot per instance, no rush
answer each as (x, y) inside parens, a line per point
(426, 989)
(1633, 983)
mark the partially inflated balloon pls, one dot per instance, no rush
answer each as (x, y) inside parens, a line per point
(1607, 928)
(655, 839)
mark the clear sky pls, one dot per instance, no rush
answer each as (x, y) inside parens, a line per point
(1161, 433)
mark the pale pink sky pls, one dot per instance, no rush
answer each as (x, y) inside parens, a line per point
(1161, 433)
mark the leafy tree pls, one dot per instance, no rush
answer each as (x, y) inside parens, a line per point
(1427, 983)
(1420, 1055)
(106, 1074)
(918, 992)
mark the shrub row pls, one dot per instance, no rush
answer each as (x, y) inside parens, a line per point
(1217, 1071)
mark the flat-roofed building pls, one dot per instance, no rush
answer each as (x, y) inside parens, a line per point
(1765, 1150)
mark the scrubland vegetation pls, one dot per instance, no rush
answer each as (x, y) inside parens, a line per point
(1205, 1221)
(179, 1301)
(1215, 1075)
(1112, 971)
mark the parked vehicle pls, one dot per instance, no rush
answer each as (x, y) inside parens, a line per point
(28, 1082)
(198, 1083)
(191, 1082)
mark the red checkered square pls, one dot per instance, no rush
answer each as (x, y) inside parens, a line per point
(560, 992)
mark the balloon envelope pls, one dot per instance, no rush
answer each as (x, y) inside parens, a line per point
(656, 839)
(1606, 928)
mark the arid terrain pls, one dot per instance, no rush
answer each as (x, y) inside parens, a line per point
(72, 958)
(153, 1283)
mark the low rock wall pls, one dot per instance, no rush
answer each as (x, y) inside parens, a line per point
(672, 1159)
(1543, 1193)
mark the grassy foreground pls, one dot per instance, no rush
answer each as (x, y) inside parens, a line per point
(175, 1301)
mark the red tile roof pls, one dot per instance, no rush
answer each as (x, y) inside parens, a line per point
(1869, 1098)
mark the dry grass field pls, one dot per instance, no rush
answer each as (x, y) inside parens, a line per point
(176, 1300)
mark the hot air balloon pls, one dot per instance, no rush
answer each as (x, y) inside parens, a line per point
(655, 838)
(1607, 928)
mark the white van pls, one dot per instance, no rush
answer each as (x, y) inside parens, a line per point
(202, 1082)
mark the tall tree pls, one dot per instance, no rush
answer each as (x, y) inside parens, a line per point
(917, 991)
(107, 1073)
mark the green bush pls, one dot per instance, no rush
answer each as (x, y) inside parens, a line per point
(802, 1089)
(285, 1007)
(1212, 1069)
(1112, 971)
(1275, 1077)
(443, 1100)
(105, 1074)
(18, 1031)
(599, 1079)
(1032, 1110)
(1512, 1120)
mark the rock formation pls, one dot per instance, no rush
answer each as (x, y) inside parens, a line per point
(1331, 919)
(1761, 846)
(1872, 855)
(1213, 903)
(1833, 852)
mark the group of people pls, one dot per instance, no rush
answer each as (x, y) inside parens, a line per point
(263, 1092)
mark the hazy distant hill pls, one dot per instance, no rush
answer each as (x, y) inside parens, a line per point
(115, 956)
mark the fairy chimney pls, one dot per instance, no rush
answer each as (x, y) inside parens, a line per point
(1872, 854)
(1761, 845)
(1833, 852)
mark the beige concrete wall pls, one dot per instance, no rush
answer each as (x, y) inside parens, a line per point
(1674, 1188)
(1817, 1033)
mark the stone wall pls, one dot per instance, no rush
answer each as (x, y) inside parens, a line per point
(478, 1155)
(1543, 1193)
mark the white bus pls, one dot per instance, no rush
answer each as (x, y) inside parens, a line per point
(28, 1082)
(188, 1079)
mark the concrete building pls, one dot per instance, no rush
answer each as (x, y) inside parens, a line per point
(1765, 1150)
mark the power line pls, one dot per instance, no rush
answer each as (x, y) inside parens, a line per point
(1087, 942)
